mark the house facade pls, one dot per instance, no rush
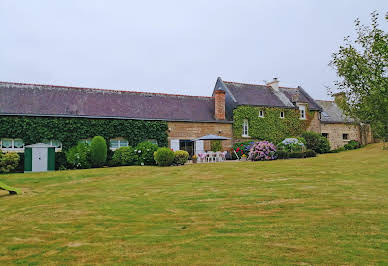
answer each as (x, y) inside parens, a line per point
(62, 116)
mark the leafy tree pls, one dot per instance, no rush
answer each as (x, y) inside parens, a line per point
(362, 66)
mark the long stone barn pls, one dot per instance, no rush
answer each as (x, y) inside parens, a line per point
(239, 111)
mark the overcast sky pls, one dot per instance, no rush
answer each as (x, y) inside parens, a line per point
(176, 46)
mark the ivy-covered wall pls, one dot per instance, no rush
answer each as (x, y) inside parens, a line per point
(70, 130)
(271, 127)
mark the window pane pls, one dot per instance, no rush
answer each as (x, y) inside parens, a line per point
(123, 143)
(18, 143)
(6, 143)
(114, 143)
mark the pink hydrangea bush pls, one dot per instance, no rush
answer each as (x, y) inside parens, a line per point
(262, 151)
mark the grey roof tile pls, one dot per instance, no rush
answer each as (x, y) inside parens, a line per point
(331, 113)
(49, 100)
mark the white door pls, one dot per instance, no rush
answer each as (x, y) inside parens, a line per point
(199, 147)
(39, 159)
(174, 144)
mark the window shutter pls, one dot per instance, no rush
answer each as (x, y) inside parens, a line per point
(174, 144)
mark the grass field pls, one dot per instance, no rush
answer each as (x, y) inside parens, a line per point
(332, 209)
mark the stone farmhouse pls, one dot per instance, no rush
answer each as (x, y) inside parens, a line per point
(187, 117)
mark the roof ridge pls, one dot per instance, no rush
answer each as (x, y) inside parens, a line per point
(102, 90)
(258, 84)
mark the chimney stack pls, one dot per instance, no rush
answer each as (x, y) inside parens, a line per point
(339, 97)
(274, 84)
(219, 104)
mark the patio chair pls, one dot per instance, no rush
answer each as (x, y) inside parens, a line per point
(218, 156)
(210, 156)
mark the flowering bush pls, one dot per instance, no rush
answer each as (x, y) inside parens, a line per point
(242, 148)
(262, 150)
(145, 152)
(79, 156)
(124, 156)
(292, 145)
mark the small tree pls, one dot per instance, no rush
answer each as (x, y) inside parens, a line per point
(98, 151)
(362, 67)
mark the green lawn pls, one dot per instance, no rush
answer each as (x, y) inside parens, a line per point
(332, 209)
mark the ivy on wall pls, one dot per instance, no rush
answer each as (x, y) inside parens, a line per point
(70, 130)
(270, 127)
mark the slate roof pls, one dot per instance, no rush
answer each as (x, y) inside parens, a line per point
(49, 100)
(331, 113)
(263, 95)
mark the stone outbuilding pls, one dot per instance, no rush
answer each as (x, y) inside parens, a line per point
(340, 129)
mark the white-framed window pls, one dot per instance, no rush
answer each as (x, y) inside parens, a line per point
(245, 131)
(56, 143)
(302, 111)
(86, 141)
(345, 136)
(153, 141)
(8, 144)
(261, 113)
(118, 143)
(281, 114)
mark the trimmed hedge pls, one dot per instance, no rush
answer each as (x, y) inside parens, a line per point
(98, 151)
(8, 161)
(164, 156)
(181, 157)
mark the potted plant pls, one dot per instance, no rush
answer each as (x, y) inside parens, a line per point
(243, 157)
(194, 158)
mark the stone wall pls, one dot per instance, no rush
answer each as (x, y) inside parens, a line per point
(314, 122)
(335, 133)
(192, 130)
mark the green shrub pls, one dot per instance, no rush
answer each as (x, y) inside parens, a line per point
(124, 156)
(292, 144)
(164, 156)
(338, 150)
(296, 154)
(145, 152)
(20, 167)
(98, 151)
(8, 161)
(352, 145)
(181, 157)
(310, 153)
(282, 154)
(79, 156)
(215, 145)
(60, 161)
(316, 142)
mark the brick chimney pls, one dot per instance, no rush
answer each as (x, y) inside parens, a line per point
(274, 84)
(219, 104)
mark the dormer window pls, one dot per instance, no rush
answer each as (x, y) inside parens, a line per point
(281, 114)
(302, 111)
(261, 113)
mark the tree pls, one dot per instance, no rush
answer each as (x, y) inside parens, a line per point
(362, 66)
